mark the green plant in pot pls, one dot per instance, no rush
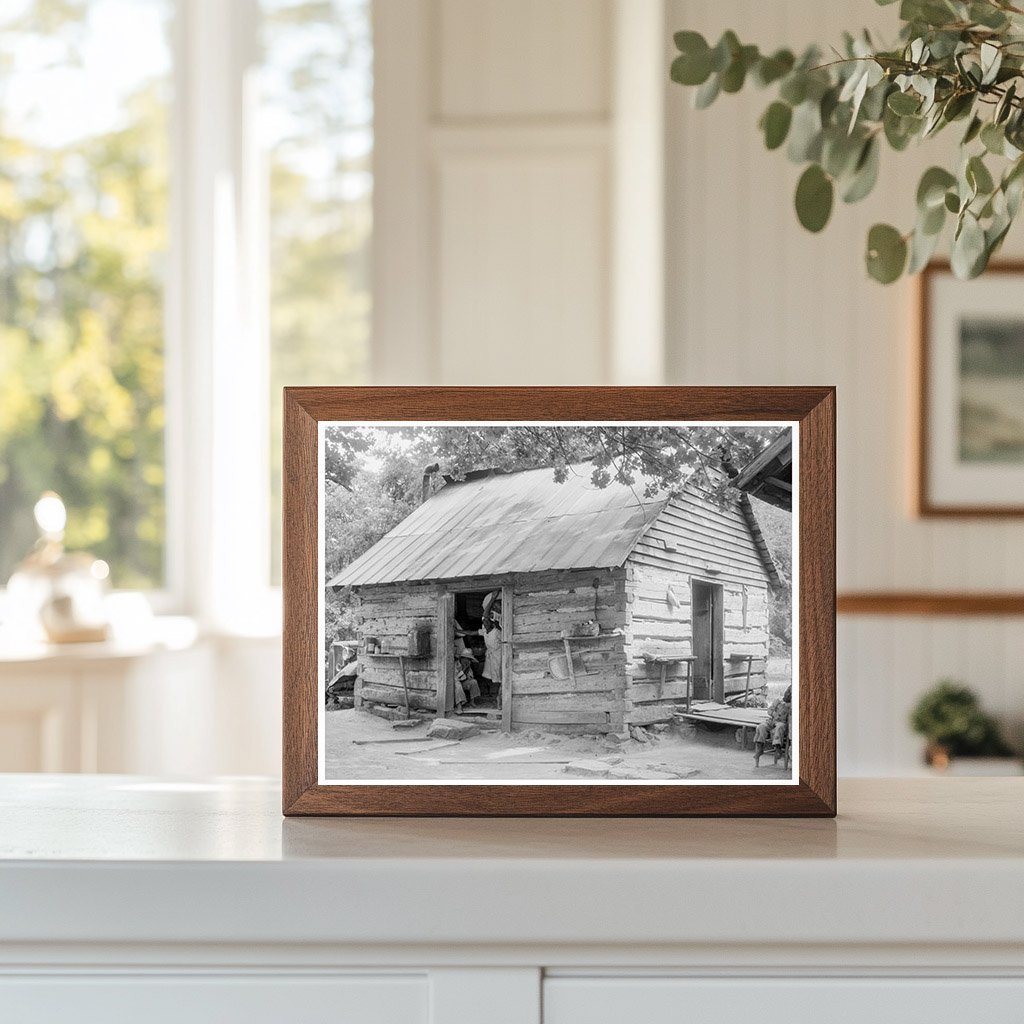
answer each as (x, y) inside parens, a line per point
(950, 717)
(956, 63)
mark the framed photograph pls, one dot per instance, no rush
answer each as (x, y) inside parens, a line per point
(559, 601)
(970, 451)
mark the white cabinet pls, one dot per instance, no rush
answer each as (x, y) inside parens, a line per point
(127, 899)
(204, 999)
(828, 1000)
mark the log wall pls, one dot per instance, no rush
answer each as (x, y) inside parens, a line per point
(545, 605)
(692, 538)
(389, 612)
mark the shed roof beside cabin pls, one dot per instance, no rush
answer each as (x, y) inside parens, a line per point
(506, 523)
(770, 475)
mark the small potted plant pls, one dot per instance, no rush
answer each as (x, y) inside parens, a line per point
(950, 718)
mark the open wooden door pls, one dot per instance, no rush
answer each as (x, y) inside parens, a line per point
(708, 608)
(445, 655)
(507, 658)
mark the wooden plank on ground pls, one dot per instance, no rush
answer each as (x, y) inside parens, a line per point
(561, 718)
(394, 695)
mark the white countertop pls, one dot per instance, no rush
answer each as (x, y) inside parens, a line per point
(123, 859)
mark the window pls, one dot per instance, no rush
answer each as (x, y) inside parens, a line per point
(236, 212)
(317, 89)
(83, 236)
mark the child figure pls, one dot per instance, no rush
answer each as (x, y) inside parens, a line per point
(774, 730)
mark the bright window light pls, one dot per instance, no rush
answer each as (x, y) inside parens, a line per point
(83, 236)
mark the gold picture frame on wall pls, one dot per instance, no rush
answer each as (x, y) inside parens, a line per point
(970, 394)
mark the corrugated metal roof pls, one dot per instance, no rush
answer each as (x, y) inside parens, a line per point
(515, 522)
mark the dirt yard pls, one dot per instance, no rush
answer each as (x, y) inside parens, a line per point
(353, 753)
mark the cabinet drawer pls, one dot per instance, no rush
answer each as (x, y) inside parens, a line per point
(669, 1000)
(202, 999)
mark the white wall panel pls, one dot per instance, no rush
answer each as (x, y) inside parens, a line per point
(521, 274)
(754, 299)
(496, 198)
(526, 58)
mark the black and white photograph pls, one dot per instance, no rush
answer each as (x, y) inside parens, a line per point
(558, 603)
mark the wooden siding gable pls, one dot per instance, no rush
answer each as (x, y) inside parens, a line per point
(694, 536)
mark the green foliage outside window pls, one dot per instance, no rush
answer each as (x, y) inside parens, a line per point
(83, 230)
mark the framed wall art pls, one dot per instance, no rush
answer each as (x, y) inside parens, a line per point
(970, 445)
(559, 601)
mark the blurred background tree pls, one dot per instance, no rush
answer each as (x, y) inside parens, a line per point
(83, 219)
(84, 190)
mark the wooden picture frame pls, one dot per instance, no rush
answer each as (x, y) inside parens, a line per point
(811, 409)
(931, 374)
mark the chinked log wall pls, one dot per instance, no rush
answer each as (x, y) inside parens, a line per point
(692, 538)
(389, 612)
(546, 604)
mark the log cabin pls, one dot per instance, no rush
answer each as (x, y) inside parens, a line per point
(616, 607)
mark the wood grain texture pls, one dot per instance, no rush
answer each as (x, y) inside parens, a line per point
(924, 505)
(813, 407)
(925, 603)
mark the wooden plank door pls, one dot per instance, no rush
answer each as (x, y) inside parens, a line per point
(708, 643)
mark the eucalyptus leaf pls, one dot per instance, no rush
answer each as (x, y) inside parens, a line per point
(707, 93)
(993, 138)
(932, 221)
(840, 152)
(691, 70)
(814, 195)
(735, 74)
(794, 88)
(991, 60)
(973, 130)
(987, 15)
(724, 51)
(886, 253)
(978, 176)
(931, 190)
(805, 133)
(922, 247)
(1005, 105)
(865, 173)
(775, 124)
(771, 69)
(957, 106)
(904, 103)
(969, 253)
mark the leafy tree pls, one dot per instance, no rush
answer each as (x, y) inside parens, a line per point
(957, 61)
(82, 227)
(655, 458)
(318, 104)
(375, 499)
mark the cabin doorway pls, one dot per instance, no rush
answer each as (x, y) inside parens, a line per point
(474, 685)
(708, 640)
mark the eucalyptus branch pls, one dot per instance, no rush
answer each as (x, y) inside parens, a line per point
(956, 61)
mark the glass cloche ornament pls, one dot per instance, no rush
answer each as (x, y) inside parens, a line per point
(55, 595)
